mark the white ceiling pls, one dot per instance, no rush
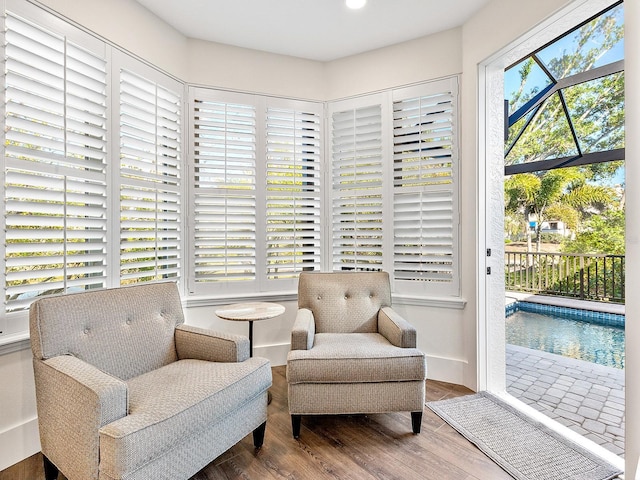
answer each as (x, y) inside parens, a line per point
(321, 30)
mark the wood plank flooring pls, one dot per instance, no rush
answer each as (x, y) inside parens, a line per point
(353, 447)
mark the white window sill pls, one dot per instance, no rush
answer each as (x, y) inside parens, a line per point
(14, 343)
(457, 303)
(20, 341)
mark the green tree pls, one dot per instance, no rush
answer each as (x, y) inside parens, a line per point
(562, 194)
(573, 91)
(592, 110)
(600, 234)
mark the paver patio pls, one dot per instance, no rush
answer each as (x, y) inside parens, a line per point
(586, 397)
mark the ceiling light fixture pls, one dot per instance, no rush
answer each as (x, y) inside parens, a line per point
(355, 4)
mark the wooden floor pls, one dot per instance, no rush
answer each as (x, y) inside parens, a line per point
(360, 447)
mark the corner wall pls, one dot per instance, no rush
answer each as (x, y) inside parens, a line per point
(414, 61)
(241, 69)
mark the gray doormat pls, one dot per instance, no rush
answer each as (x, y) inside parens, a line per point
(523, 447)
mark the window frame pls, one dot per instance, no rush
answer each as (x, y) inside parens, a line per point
(439, 192)
(352, 106)
(260, 285)
(556, 86)
(404, 288)
(237, 100)
(123, 62)
(14, 325)
(315, 111)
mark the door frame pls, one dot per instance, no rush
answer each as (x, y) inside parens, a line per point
(490, 291)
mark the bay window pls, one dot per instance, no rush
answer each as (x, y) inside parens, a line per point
(113, 176)
(394, 196)
(255, 191)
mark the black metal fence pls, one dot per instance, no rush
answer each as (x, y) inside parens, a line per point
(588, 277)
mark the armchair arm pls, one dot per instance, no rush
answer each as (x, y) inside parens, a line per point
(74, 400)
(396, 329)
(202, 344)
(303, 331)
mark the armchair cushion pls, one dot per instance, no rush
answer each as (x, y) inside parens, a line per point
(176, 401)
(355, 358)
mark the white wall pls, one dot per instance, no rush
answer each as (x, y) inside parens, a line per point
(425, 58)
(132, 27)
(234, 68)
(18, 420)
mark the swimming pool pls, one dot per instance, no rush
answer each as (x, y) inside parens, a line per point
(581, 334)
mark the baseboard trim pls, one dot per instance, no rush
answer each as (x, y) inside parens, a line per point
(18, 443)
(277, 353)
(448, 370)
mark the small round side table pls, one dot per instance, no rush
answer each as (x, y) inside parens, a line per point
(250, 312)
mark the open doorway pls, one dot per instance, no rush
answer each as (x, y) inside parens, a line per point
(544, 99)
(564, 229)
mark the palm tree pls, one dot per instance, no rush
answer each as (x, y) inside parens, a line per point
(562, 194)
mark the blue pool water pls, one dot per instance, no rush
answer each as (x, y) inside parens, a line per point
(595, 341)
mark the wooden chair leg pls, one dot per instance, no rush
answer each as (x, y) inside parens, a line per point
(416, 421)
(258, 435)
(50, 470)
(296, 420)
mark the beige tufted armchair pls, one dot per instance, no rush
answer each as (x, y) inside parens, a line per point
(351, 352)
(125, 390)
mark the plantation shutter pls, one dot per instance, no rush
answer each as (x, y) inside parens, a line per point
(357, 178)
(224, 189)
(293, 192)
(55, 164)
(150, 175)
(424, 185)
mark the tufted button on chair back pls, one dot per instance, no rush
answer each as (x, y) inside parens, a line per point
(344, 302)
(111, 329)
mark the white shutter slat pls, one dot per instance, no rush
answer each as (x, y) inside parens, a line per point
(42, 106)
(293, 192)
(357, 175)
(52, 93)
(423, 177)
(150, 179)
(79, 95)
(34, 61)
(82, 60)
(423, 135)
(55, 172)
(224, 145)
(423, 236)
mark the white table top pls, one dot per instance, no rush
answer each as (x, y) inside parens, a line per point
(250, 311)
